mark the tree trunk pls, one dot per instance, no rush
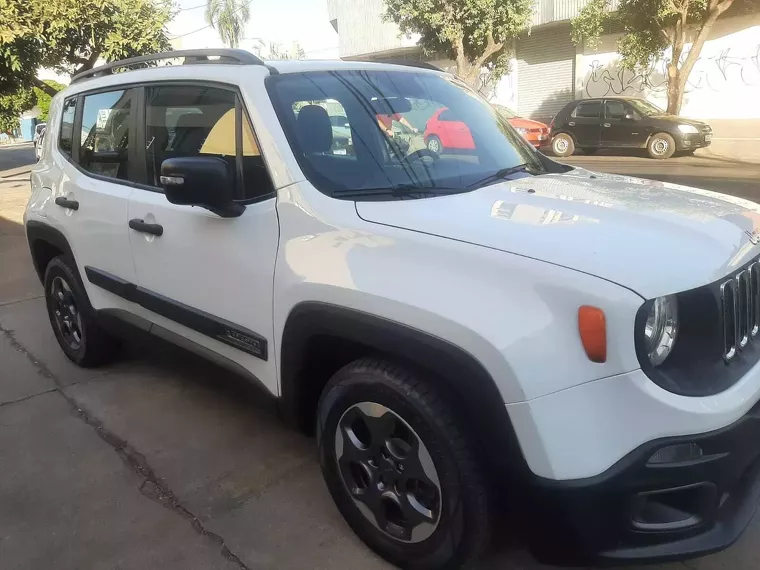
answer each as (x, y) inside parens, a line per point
(678, 76)
(675, 91)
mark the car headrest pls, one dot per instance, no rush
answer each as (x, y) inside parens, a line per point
(314, 129)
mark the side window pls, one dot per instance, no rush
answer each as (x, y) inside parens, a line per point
(66, 137)
(588, 110)
(184, 121)
(310, 111)
(445, 116)
(104, 148)
(614, 109)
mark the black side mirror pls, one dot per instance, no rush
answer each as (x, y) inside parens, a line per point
(203, 181)
(629, 116)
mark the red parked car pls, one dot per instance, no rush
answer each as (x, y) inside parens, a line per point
(443, 131)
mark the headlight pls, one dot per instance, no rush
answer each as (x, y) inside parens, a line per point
(521, 130)
(688, 129)
(661, 329)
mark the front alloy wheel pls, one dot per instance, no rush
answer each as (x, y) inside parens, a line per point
(388, 472)
(400, 466)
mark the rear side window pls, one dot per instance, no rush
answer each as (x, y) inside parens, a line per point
(614, 109)
(106, 119)
(588, 110)
(66, 138)
(186, 121)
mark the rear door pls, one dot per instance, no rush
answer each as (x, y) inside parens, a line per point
(585, 123)
(96, 139)
(617, 129)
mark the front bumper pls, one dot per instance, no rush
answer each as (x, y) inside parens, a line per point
(638, 512)
(694, 141)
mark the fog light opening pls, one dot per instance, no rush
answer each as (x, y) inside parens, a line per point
(673, 509)
(679, 453)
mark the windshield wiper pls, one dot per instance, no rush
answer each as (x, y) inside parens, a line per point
(398, 191)
(499, 174)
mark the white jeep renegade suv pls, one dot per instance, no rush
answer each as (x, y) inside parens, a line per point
(462, 328)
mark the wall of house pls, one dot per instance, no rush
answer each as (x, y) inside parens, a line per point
(724, 84)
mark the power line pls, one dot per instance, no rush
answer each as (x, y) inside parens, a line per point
(210, 25)
(192, 8)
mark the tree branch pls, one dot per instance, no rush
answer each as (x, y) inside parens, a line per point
(89, 62)
(43, 86)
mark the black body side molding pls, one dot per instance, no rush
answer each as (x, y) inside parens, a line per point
(214, 327)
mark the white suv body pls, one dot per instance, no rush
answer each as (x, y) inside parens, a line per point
(477, 292)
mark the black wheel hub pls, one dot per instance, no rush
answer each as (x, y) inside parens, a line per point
(66, 314)
(388, 472)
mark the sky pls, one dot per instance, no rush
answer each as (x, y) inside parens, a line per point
(280, 21)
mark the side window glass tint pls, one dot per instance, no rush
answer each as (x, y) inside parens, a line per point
(105, 134)
(588, 110)
(66, 139)
(186, 121)
(614, 109)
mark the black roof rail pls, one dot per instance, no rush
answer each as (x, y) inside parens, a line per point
(406, 62)
(191, 56)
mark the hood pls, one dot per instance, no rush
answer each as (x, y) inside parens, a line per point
(652, 237)
(679, 120)
(526, 123)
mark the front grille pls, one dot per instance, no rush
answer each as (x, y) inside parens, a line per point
(740, 304)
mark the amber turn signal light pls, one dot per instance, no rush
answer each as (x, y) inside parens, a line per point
(592, 326)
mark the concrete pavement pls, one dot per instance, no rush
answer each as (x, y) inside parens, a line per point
(164, 461)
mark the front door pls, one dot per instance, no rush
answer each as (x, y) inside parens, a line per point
(585, 123)
(208, 279)
(619, 128)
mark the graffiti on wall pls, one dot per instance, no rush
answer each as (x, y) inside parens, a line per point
(718, 72)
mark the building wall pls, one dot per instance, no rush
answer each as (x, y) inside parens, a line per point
(361, 29)
(724, 84)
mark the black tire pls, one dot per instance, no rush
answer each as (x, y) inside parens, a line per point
(661, 146)
(425, 415)
(589, 150)
(434, 144)
(82, 340)
(563, 145)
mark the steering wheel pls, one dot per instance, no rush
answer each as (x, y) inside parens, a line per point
(423, 152)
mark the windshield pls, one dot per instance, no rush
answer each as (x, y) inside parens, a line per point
(361, 130)
(644, 107)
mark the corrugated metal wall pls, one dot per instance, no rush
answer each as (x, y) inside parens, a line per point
(545, 72)
(547, 11)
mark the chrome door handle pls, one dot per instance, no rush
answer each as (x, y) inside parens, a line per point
(606, 125)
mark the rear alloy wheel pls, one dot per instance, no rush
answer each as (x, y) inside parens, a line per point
(400, 468)
(661, 145)
(563, 145)
(434, 144)
(72, 319)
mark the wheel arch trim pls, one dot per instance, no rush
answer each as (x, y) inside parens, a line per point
(461, 371)
(39, 231)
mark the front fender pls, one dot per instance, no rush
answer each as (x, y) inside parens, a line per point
(515, 315)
